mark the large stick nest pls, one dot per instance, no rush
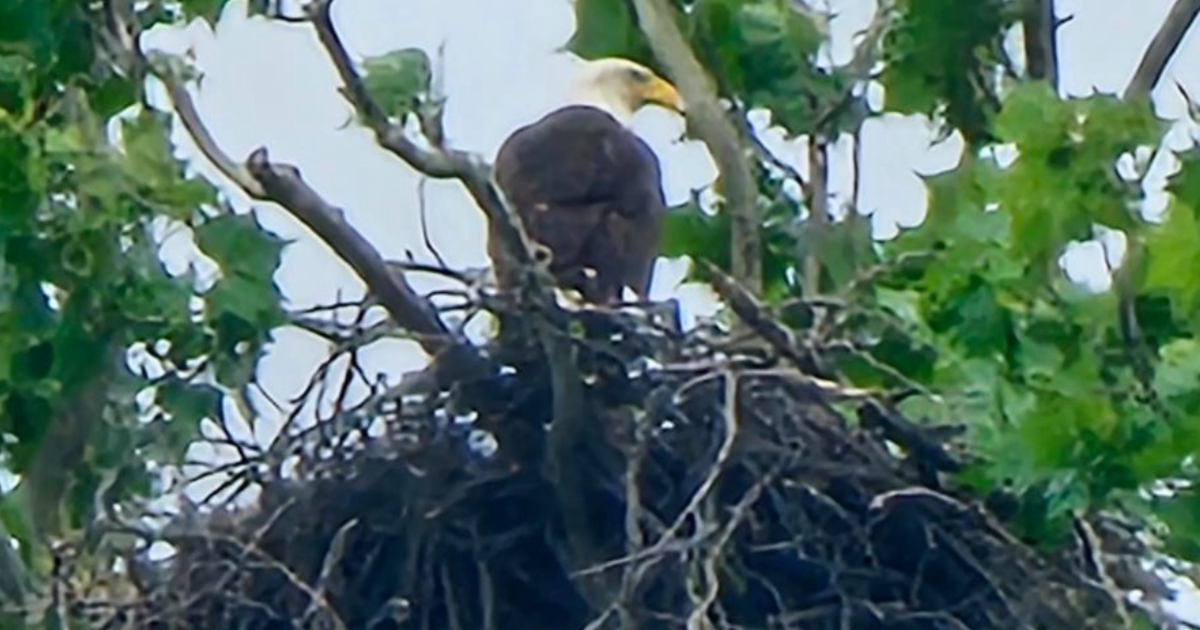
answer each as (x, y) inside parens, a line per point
(702, 487)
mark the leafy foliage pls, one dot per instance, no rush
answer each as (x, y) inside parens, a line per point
(81, 280)
(1074, 400)
(940, 55)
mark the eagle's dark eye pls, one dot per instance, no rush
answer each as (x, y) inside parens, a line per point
(639, 75)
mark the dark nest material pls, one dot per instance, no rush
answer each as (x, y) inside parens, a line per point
(699, 487)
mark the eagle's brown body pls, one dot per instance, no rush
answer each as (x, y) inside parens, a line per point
(589, 190)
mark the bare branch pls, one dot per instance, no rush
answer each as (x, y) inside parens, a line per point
(283, 185)
(333, 557)
(510, 249)
(746, 307)
(708, 120)
(1166, 41)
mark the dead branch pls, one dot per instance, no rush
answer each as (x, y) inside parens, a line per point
(282, 184)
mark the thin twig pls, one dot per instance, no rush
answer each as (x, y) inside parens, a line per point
(425, 224)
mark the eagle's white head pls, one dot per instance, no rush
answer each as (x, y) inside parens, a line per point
(622, 87)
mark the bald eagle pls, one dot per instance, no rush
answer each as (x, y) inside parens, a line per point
(586, 187)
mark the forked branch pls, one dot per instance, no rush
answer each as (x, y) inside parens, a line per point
(282, 184)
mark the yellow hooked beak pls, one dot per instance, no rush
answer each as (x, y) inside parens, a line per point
(659, 92)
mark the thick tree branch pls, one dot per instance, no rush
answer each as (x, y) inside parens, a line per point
(708, 120)
(1041, 41)
(1166, 41)
(283, 185)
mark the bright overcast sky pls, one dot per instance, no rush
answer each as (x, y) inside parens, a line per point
(269, 84)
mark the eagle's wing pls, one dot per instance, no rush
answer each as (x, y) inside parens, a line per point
(589, 190)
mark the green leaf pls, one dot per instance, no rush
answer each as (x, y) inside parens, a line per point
(957, 207)
(16, 82)
(1178, 373)
(689, 232)
(845, 248)
(1185, 183)
(21, 177)
(26, 416)
(607, 28)
(152, 169)
(904, 305)
(111, 96)
(26, 25)
(1035, 119)
(1172, 258)
(973, 317)
(238, 345)
(249, 298)
(1113, 126)
(777, 26)
(397, 80)
(81, 347)
(1064, 181)
(241, 246)
(1054, 435)
(148, 149)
